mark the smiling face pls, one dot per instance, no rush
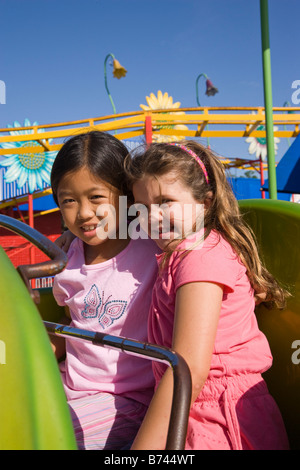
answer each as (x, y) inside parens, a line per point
(85, 200)
(171, 207)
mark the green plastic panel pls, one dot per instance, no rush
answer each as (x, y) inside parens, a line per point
(277, 228)
(34, 414)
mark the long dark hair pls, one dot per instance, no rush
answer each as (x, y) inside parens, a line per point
(100, 152)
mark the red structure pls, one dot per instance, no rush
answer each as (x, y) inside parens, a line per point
(19, 250)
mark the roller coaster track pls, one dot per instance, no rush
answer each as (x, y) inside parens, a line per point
(203, 122)
(238, 122)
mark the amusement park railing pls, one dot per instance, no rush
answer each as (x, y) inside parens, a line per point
(143, 126)
(193, 122)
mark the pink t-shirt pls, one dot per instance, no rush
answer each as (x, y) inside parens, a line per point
(111, 297)
(240, 346)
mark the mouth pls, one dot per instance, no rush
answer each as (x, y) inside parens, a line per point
(164, 233)
(88, 228)
(167, 235)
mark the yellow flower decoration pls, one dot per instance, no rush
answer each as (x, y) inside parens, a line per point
(163, 101)
(119, 71)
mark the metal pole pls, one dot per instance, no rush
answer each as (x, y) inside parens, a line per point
(262, 179)
(31, 224)
(198, 102)
(197, 80)
(148, 129)
(105, 81)
(287, 103)
(266, 57)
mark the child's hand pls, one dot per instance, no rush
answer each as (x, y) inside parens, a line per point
(65, 240)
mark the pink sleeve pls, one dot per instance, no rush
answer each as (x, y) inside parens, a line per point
(63, 281)
(59, 293)
(212, 263)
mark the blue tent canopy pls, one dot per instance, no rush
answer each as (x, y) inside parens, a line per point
(288, 170)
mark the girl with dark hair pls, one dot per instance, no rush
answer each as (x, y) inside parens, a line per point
(106, 287)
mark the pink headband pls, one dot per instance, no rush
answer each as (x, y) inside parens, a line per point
(198, 159)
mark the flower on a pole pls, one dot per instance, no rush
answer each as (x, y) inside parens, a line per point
(119, 71)
(211, 90)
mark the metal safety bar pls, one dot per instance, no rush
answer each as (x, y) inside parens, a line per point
(57, 262)
(182, 385)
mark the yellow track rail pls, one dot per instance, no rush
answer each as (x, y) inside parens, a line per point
(200, 122)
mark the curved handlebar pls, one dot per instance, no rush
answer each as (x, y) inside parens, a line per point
(181, 373)
(58, 259)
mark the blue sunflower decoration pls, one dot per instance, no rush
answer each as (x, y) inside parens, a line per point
(34, 168)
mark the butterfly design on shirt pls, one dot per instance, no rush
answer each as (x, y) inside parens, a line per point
(107, 310)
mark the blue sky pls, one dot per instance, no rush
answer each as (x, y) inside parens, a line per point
(52, 54)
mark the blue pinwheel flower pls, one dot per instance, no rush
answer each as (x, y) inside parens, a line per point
(34, 168)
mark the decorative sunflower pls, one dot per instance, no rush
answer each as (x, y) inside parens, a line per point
(258, 145)
(163, 101)
(34, 168)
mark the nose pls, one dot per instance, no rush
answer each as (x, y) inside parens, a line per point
(85, 211)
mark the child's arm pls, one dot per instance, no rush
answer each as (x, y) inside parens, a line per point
(197, 312)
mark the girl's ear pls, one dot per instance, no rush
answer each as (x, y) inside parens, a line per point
(208, 199)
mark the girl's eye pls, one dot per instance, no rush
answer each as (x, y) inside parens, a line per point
(67, 201)
(97, 197)
(167, 201)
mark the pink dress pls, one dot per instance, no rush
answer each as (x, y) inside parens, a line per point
(234, 409)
